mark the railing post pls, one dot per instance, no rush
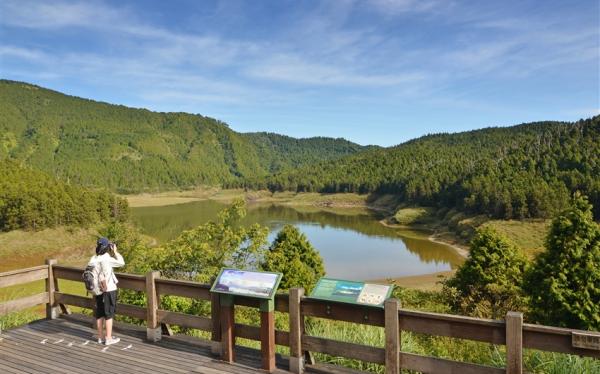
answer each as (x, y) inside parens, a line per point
(215, 317)
(153, 330)
(52, 310)
(267, 335)
(392, 336)
(296, 331)
(514, 343)
(227, 328)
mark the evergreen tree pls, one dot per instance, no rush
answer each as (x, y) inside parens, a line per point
(293, 255)
(488, 284)
(564, 282)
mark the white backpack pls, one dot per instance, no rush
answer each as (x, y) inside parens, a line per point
(91, 278)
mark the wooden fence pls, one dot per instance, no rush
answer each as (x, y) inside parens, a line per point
(511, 332)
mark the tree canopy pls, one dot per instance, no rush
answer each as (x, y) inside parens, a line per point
(488, 284)
(518, 172)
(30, 199)
(292, 254)
(130, 150)
(564, 281)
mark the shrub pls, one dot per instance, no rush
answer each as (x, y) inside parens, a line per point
(488, 284)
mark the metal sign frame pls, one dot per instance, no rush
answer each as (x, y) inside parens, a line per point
(334, 299)
(271, 295)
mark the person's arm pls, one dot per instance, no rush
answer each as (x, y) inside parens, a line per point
(118, 261)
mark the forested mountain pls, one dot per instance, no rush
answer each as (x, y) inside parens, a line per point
(523, 171)
(528, 170)
(31, 199)
(97, 144)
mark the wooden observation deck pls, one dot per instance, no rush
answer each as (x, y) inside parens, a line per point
(63, 342)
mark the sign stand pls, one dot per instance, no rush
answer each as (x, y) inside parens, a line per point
(227, 328)
(232, 283)
(267, 334)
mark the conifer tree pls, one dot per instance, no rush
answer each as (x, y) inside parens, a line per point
(292, 254)
(488, 284)
(564, 282)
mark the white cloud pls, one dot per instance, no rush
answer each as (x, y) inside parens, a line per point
(320, 49)
(293, 69)
(394, 7)
(22, 53)
(56, 14)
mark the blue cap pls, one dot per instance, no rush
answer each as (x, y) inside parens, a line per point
(102, 242)
(102, 246)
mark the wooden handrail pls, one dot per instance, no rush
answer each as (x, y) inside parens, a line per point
(23, 276)
(511, 332)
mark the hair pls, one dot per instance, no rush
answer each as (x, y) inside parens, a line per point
(100, 250)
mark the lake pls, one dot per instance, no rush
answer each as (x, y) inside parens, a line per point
(352, 242)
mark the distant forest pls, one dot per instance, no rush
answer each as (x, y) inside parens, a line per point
(529, 170)
(132, 150)
(30, 199)
(523, 171)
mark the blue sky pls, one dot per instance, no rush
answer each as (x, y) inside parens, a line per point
(372, 71)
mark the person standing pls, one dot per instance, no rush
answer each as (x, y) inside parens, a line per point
(107, 257)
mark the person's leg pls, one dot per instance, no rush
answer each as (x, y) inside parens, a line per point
(108, 329)
(99, 326)
(99, 314)
(110, 303)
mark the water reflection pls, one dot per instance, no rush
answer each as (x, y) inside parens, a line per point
(354, 245)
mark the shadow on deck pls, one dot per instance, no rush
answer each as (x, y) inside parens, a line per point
(65, 345)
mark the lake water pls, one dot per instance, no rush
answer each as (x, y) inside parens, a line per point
(353, 244)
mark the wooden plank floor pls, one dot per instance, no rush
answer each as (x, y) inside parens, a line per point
(65, 345)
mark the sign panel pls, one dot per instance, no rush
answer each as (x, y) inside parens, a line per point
(586, 340)
(258, 284)
(351, 291)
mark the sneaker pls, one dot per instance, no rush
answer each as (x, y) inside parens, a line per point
(100, 341)
(110, 341)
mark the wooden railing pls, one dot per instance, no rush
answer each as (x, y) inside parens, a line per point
(23, 276)
(511, 332)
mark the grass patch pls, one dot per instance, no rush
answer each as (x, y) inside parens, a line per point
(227, 195)
(529, 235)
(414, 215)
(21, 249)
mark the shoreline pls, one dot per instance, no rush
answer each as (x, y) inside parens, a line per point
(461, 250)
(422, 282)
(333, 201)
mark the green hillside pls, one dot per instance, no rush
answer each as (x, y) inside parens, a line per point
(31, 199)
(125, 149)
(522, 171)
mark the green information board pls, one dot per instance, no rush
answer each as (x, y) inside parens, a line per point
(351, 291)
(259, 284)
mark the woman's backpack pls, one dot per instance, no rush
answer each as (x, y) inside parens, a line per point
(91, 278)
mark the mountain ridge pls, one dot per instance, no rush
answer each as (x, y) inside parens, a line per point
(99, 144)
(522, 171)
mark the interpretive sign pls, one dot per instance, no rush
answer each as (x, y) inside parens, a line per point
(586, 340)
(258, 284)
(351, 291)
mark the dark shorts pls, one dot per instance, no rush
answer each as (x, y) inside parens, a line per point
(106, 305)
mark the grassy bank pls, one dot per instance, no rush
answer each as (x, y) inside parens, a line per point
(457, 228)
(340, 200)
(21, 249)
